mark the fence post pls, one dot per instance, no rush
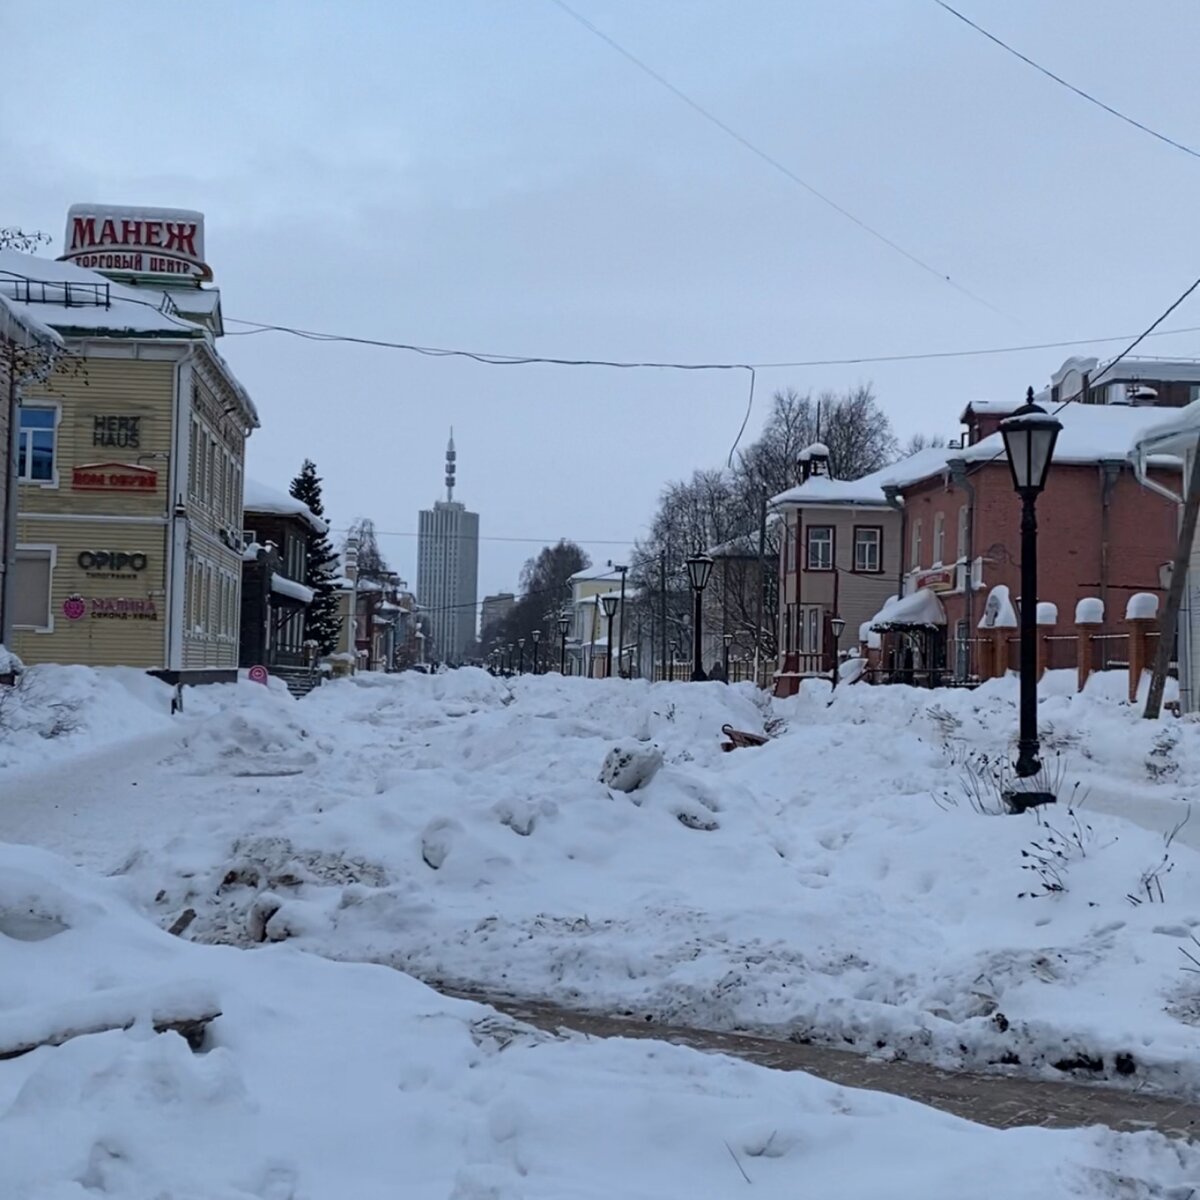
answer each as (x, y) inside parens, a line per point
(1047, 619)
(1141, 615)
(1000, 652)
(1089, 619)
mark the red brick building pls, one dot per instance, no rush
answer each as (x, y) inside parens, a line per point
(1101, 533)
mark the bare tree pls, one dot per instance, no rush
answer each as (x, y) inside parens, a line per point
(857, 432)
(921, 441)
(371, 563)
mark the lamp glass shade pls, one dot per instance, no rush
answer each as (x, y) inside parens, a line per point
(536, 635)
(521, 643)
(838, 624)
(1029, 438)
(727, 638)
(699, 568)
(610, 605)
(564, 625)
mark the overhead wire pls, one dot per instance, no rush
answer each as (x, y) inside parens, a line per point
(770, 159)
(1078, 91)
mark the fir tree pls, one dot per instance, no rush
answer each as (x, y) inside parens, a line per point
(323, 622)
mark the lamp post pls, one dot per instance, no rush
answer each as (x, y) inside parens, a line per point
(509, 665)
(1029, 437)
(727, 638)
(564, 627)
(521, 659)
(536, 635)
(609, 603)
(699, 568)
(838, 625)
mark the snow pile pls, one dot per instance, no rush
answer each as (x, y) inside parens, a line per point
(10, 664)
(323, 1080)
(842, 883)
(1089, 611)
(1047, 613)
(54, 711)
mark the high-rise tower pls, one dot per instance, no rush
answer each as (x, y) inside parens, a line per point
(448, 569)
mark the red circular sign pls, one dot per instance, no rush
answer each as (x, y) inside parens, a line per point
(258, 674)
(74, 608)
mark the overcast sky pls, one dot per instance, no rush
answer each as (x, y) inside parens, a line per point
(487, 174)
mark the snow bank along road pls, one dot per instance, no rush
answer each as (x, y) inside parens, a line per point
(826, 887)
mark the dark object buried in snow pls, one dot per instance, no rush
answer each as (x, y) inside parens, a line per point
(739, 739)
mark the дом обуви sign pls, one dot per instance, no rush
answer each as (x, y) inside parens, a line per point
(142, 241)
(113, 477)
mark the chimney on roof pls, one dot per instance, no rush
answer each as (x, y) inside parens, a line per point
(350, 568)
(813, 461)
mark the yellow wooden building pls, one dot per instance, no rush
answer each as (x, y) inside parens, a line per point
(130, 458)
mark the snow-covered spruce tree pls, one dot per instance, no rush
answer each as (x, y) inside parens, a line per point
(323, 622)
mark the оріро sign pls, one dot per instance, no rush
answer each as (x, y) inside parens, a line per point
(141, 241)
(111, 561)
(113, 477)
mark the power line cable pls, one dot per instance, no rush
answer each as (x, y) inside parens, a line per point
(493, 359)
(1108, 108)
(1093, 380)
(769, 159)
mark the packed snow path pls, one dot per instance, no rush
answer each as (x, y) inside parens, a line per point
(999, 1101)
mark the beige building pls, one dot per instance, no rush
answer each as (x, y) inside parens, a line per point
(130, 456)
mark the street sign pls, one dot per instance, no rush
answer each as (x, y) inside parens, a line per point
(258, 674)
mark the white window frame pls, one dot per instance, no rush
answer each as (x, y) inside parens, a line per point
(810, 543)
(51, 549)
(46, 406)
(872, 538)
(964, 518)
(939, 539)
(917, 545)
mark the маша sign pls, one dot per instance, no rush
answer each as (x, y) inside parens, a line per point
(143, 241)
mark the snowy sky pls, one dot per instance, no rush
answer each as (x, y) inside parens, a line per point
(492, 176)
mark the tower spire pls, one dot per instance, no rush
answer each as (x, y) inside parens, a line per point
(451, 456)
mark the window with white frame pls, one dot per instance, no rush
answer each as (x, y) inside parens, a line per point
(813, 639)
(868, 549)
(939, 539)
(964, 528)
(789, 548)
(820, 548)
(194, 465)
(36, 434)
(33, 579)
(916, 545)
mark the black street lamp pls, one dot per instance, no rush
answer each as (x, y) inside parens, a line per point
(727, 638)
(838, 625)
(537, 637)
(521, 660)
(699, 568)
(1029, 437)
(564, 627)
(610, 604)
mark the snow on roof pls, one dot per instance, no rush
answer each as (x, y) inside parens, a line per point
(744, 545)
(1170, 433)
(1091, 433)
(997, 408)
(259, 498)
(18, 322)
(820, 490)
(816, 450)
(594, 575)
(920, 608)
(50, 301)
(290, 588)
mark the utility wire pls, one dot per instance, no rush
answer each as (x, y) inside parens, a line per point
(769, 159)
(493, 359)
(1108, 108)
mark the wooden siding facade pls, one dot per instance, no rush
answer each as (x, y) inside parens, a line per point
(140, 519)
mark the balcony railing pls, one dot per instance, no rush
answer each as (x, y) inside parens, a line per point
(61, 293)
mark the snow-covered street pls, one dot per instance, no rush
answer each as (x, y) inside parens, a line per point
(835, 885)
